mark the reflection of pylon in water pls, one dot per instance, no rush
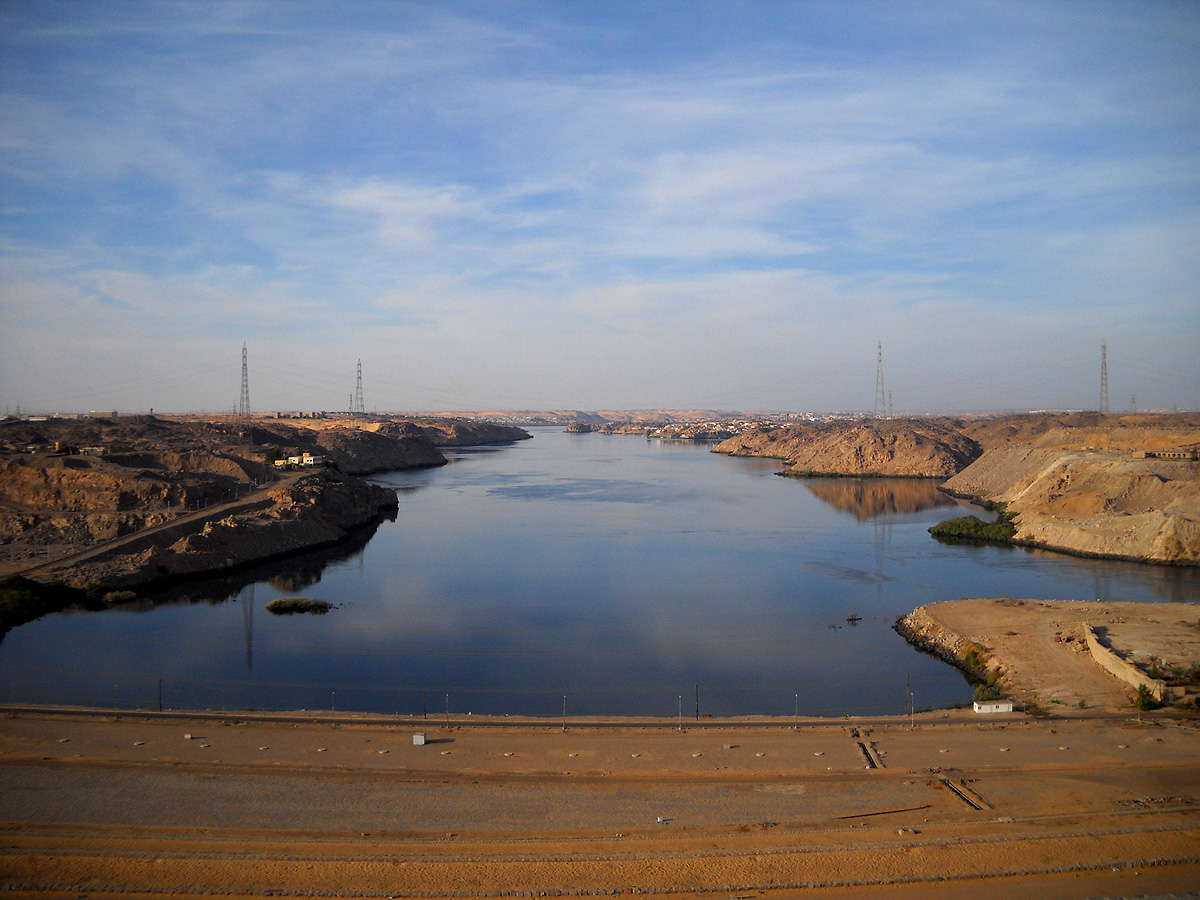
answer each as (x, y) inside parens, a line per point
(882, 527)
(248, 626)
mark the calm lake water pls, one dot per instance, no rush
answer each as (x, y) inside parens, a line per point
(624, 575)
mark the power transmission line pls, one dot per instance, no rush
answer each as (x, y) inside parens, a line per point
(358, 406)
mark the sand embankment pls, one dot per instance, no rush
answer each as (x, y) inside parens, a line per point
(1039, 648)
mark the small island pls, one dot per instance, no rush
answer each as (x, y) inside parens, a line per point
(286, 606)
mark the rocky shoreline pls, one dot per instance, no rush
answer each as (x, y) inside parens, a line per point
(906, 448)
(931, 637)
(1077, 483)
(312, 512)
(116, 504)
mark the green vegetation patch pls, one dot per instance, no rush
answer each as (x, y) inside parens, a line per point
(286, 606)
(972, 528)
(1145, 700)
(974, 659)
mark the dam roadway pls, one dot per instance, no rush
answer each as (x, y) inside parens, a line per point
(956, 805)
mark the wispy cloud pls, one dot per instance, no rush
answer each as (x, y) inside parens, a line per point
(688, 219)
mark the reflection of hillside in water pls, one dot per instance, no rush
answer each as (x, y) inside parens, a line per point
(290, 574)
(869, 498)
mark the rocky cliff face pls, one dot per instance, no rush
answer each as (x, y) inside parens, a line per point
(893, 447)
(75, 499)
(359, 452)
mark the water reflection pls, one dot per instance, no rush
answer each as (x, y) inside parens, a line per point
(286, 575)
(870, 498)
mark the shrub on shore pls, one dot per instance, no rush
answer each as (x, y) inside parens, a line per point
(972, 528)
(1145, 699)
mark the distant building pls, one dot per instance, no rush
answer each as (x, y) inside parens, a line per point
(1166, 454)
(993, 706)
(304, 459)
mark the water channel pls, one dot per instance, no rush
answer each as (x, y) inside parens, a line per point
(607, 575)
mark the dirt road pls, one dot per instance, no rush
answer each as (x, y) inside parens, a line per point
(183, 522)
(955, 806)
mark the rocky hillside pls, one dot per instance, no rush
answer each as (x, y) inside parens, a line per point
(1077, 482)
(360, 451)
(921, 448)
(310, 512)
(1092, 502)
(469, 432)
(67, 484)
(363, 446)
(1078, 430)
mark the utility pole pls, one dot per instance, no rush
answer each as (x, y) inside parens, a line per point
(908, 699)
(1103, 376)
(880, 392)
(244, 399)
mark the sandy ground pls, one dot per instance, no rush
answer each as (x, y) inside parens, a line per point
(1040, 646)
(956, 805)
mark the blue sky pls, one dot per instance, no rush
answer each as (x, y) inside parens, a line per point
(599, 205)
